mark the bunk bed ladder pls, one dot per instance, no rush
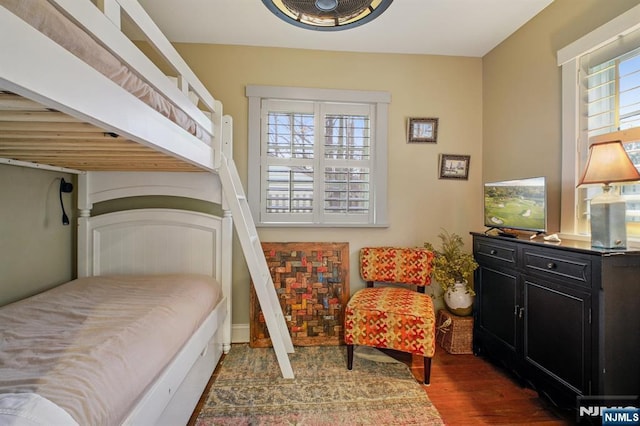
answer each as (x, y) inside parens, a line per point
(257, 263)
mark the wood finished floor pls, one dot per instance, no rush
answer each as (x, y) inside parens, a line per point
(468, 390)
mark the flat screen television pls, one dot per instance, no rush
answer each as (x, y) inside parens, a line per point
(519, 204)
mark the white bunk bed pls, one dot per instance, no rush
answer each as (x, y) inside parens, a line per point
(57, 112)
(54, 104)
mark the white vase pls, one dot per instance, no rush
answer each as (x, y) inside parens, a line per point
(458, 300)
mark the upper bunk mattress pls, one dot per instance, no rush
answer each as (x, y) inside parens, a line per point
(44, 17)
(93, 345)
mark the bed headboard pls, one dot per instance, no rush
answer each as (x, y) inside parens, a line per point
(152, 241)
(95, 187)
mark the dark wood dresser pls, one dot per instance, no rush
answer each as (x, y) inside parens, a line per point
(565, 318)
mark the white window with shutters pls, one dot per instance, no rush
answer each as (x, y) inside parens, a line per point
(611, 92)
(601, 102)
(317, 157)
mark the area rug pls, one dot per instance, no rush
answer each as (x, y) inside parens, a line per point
(249, 390)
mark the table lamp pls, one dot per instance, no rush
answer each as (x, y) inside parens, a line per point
(608, 163)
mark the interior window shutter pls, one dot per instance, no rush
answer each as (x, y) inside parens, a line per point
(612, 95)
(317, 157)
(347, 161)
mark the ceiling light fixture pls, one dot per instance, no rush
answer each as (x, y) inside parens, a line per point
(327, 15)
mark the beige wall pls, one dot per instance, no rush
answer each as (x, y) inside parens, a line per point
(522, 94)
(449, 88)
(36, 250)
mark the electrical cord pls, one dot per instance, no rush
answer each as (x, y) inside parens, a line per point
(66, 187)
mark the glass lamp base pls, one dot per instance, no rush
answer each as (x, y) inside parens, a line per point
(608, 223)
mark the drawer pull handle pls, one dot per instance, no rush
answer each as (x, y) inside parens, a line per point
(551, 265)
(493, 252)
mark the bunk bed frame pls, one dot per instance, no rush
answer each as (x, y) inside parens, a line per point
(59, 113)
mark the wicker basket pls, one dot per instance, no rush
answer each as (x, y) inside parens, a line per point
(454, 333)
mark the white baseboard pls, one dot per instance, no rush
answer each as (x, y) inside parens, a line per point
(240, 333)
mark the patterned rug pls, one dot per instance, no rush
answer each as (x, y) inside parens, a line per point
(248, 390)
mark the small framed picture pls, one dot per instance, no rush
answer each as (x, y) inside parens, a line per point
(454, 166)
(423, 130)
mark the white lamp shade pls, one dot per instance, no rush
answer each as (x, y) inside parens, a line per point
(608, 162)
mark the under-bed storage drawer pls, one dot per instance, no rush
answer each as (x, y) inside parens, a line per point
(558, 265)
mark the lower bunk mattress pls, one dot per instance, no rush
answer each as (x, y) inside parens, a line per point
(94, 345)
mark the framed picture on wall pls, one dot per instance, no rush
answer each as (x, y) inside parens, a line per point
(423, 130)
(454, 166)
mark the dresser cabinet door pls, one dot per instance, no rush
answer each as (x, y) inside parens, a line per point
(496, 299)
(557, 339)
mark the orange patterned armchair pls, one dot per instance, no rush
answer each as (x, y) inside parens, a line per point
(393, 317)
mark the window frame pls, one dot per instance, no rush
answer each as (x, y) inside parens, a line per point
(379, 102)
(574, 143)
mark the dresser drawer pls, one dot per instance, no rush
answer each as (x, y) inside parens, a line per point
(552, 264)
(500, 252)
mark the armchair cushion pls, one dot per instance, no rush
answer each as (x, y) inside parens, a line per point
(396, 265)
(393, 318)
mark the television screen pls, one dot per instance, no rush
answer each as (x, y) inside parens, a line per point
(516, 204)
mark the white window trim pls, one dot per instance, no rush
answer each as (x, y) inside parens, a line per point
(569, 59)
(378, 188)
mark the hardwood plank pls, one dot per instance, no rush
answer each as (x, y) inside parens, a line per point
(48, 127)
(70, 152)
(100, 163)
(87, 145)
(11, 101)
(468, 390)
(37, 116)
(39, 135)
